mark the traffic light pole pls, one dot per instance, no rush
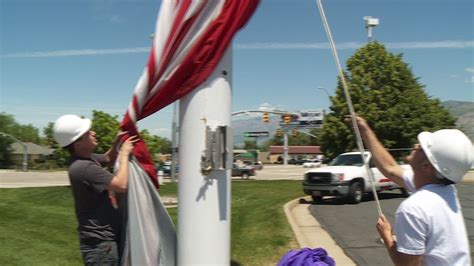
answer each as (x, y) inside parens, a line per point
(275, 112)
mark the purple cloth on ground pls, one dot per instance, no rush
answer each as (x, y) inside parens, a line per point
(307, 257)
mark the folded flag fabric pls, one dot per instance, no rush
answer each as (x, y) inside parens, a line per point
(307, 257)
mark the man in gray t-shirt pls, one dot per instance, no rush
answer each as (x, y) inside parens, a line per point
(98, 218)
(93, 188)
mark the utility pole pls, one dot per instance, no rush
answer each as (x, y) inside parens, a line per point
(285, 147)
(205, 158)
(325, 91)
(174, 144)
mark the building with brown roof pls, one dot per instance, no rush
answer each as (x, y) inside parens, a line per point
(294, 153)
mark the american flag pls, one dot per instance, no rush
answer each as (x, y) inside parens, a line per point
(189, 41)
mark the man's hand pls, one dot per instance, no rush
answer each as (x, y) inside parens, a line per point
(398, 258)
(385, 229)
(361, 122)
(128, 145)
(117, 139)
(119, 182)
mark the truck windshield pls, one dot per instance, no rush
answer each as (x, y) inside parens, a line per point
(347, 159)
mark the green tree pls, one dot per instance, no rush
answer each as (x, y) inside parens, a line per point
(274, 141)
(6, 122)
(60, 155)
(250, 145)
(386, 93)
(300, 140)
(25, 133)
(155, 143)
(106, 128)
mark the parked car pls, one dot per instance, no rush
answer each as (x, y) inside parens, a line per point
(243, 171)
(257, 165)
(166, 168)
(312, 163)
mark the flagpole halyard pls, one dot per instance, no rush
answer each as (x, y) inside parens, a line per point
(360, 144)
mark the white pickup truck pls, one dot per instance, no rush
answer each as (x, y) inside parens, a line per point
(346, 176)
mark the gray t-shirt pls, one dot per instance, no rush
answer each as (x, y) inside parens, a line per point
(98, 219)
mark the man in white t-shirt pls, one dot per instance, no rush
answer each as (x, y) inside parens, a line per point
(429, 225)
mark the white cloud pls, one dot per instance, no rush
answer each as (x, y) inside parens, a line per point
(266, 107)
(470, 80)
(283, 45)
(470, 69)
(115, 19)
(355, 45)
(431, 45)
(83, 52)
(159, 130)
(254, 46)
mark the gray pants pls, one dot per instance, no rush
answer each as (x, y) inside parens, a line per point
(101, 253)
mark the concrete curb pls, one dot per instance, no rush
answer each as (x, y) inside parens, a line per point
(288, 207)
(309, 233)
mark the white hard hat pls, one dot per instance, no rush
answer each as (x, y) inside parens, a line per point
(450, 152)
(68, 128)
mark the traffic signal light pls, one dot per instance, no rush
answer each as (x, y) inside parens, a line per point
(287, 119)
(278, 132)
(295, 132)
(265, 117)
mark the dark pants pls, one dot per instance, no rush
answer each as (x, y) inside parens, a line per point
(100, 253)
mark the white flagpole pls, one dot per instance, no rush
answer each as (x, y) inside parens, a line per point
(360, 144)
(204, 199)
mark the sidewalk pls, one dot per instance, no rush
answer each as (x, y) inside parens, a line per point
(309, 233)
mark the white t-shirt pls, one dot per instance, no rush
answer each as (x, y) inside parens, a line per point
(430, 223)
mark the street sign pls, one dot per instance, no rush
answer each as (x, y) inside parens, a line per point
(307, 119)
(256, 134)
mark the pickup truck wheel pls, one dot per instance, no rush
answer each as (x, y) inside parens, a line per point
(404, 192)
(355, 193)
(245, 175)
(317, 198)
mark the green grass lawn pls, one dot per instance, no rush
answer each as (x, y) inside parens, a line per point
(38, 226)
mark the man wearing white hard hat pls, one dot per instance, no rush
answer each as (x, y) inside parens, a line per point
(91, 184)
(429, 225)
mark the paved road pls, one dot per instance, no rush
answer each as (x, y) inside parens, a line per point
(16, 179)
(353, 226)
(12, 179)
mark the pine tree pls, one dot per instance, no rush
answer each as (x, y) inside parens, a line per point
(385, 92)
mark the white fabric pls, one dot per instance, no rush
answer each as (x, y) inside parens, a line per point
(150, 237)
(430, 223)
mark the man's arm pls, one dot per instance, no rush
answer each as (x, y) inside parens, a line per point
(119, 182)
(382, 159)
(398, 258)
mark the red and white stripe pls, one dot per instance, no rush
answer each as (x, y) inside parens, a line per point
(190, 39)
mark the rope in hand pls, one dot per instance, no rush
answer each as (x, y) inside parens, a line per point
(360, 144)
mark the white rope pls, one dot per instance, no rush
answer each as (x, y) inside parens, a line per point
(360, 144)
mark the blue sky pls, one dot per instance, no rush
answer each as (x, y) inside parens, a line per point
(59, 56)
